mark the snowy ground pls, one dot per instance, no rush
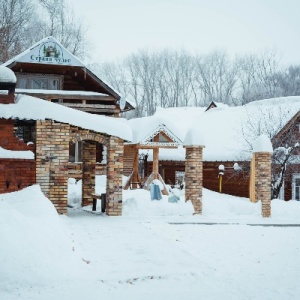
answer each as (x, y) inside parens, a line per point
(156, 250)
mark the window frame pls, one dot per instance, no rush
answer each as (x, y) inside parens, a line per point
(295, 177)
(27, 79)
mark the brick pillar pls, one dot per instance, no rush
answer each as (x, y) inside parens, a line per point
(194, 176)
(263, 181)
(52, 156)
(114, 173)
(88, 172)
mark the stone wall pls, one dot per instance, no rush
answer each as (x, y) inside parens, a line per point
(50, 169)
(194, 176)
(115, 154)
(52, 156)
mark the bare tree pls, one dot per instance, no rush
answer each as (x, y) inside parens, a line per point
(216, 76)
(289, 81)
(259, 76)
(24, 22)
(61, 22)
(16, 26)
(173, 78)
(270, 120)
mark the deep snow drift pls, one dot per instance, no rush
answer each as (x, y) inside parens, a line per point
(156, 250)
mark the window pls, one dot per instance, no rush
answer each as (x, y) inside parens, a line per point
(39, 84)
(25, 130)
(75, 152)
(39, 81)
(296, 187)
(281, 193)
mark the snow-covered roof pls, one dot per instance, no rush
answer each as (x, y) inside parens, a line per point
(7, 75)
(225, 129)
(30, 108)
(144, 129)
(4, 153)
(36, 54)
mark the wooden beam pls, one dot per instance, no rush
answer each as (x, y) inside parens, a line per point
(71, 97)
(156, 146)
(135, 179)
(82, 105)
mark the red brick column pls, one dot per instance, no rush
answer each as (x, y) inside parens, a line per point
(194, 176)
(263, 181)
(114, 173)
(52, 156)
(88, 172)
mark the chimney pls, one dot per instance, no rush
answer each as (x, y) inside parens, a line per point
(8, 83)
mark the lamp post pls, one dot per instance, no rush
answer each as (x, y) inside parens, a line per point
(221, 173)
(235, 167)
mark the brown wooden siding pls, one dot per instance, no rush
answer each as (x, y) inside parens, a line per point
(234, 182)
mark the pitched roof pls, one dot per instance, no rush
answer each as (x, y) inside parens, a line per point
(145, 129)
(287, 126)
(49, 51)
(226, 130)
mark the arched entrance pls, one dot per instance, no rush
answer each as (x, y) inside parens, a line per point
(87, 151)
(52, 161)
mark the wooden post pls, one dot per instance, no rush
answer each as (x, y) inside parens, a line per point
(252, 195)
(136, 178)
(155, 162)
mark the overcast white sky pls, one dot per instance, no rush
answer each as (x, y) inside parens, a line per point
(119, 27)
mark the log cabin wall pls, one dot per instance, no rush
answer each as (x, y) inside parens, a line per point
(68, 78)
(235, 183)
(129, 156)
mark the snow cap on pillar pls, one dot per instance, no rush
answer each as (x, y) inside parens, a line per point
(262, 144)
(7, 75)
(194, 137)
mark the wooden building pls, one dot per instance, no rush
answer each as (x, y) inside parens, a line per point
(228, 132)
(78, 125)
(286, 141)
(47, 70)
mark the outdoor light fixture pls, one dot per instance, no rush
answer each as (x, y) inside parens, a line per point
(221, 168)
(221, 173)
